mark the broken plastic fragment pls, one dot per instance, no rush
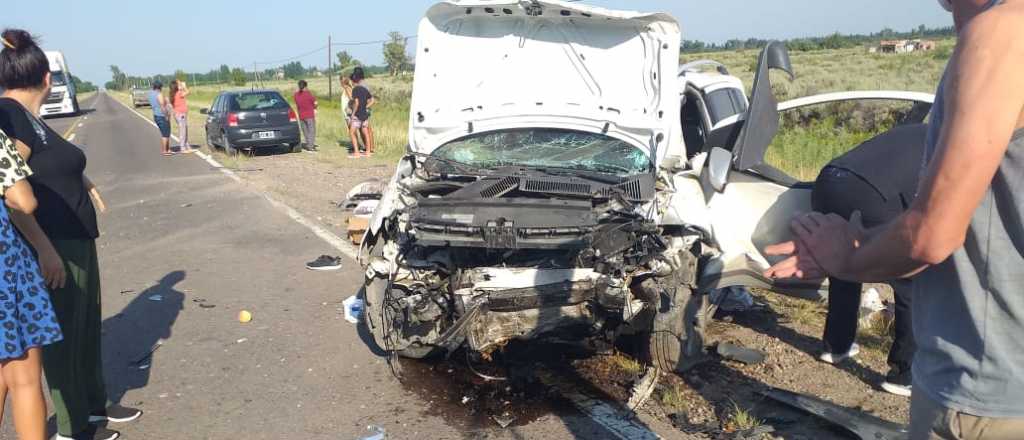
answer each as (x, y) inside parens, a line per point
(643, 389)
(504, 419)
(353, 309)
(156, 298)
(738, 353)
(376, 433)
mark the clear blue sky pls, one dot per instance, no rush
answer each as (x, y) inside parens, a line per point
(146, 38)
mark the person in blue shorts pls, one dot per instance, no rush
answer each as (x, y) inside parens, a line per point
(159, 104)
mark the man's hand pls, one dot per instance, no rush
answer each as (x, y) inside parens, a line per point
(800, 264)
(823, 247)
(52, 267)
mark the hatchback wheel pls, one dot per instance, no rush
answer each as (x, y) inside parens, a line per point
(295, 148)
(228, 149)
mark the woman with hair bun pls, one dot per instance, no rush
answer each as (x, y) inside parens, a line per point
(63, 234)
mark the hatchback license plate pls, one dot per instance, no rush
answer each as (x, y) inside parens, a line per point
(265, 135)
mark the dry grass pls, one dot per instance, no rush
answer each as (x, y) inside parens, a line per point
(740, 419)
(627, 364)
(672, 398)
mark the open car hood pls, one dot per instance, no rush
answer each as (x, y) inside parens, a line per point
(500, 64)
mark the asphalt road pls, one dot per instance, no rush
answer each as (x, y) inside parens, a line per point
(183, 249)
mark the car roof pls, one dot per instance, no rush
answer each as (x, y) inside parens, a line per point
(242, 92)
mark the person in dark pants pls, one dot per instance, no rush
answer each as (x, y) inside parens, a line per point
(878, 179)
(63, 235)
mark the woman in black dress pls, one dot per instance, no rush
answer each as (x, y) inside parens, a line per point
(63, 233)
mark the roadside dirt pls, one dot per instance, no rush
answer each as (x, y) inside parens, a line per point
(715, 400)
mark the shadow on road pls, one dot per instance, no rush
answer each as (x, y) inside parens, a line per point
(130, 336)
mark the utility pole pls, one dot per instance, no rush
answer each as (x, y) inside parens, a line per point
(330, 66)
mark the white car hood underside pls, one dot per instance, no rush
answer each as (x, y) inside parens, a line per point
(489, 65)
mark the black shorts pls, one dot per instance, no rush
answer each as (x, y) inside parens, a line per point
(164, 125)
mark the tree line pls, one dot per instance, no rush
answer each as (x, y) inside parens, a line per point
(396, 60)
(834, 41)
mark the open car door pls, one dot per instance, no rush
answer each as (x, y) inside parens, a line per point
(752, 203)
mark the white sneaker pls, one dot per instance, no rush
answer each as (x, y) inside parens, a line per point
(835, 358)
(897, 389)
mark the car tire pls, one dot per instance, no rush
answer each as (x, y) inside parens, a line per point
(209, 143)
(75, 109)
(295, 148)
(676, 340)
(228, 149)
(373, 300)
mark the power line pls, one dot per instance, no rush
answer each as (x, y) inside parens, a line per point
(285, 60)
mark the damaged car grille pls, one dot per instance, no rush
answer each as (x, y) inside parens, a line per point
(504, 223)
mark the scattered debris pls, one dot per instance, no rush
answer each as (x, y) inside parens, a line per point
(244, 316)
(371, 189)
(365, 208)
(357, 226)
(732, 299)
(863, 425)
(504, 419)
(466, 399)
(186, 205)
(755, 433)
(376, 433)
(202, 303)
(739, 353)
(156, 298)
(353, 309)
(207, 306)
(127, 291)
(241, 340)
(643, 388)
(142, 362)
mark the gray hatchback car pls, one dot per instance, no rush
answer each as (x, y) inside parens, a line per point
(251, 119)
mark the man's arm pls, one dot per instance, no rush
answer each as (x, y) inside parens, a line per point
(984, 100)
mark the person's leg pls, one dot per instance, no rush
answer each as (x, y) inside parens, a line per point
(183, 144)
(312, 133)
(28, 407)
(843, 312)
(353, 132)
(901, 355)
(3, 396)
(304, 126)
(69, 364)
(370, 142)
(92, 353)
(929, 420)
(369, 138)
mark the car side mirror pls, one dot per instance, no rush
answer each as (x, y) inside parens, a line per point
(204, 111)
(719, 165)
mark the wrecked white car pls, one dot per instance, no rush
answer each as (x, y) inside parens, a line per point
(566, 179)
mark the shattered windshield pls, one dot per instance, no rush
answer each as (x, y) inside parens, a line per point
(547, 148)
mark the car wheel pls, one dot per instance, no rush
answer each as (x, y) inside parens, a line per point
(209, 143)
(373, 306)
(295, 148)
(676, 340)
(228, 149)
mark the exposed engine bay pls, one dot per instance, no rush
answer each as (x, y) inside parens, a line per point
(479, 258)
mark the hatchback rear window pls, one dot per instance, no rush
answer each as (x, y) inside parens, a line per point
(257, 101)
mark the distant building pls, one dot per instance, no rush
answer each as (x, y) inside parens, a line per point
(902, 46)
(279, 74)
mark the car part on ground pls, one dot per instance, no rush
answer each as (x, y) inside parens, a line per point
(861, 424)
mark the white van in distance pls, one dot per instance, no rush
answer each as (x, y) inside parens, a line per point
(62, 100)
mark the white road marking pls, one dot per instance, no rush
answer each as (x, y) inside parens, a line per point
(617, 420)
(330, 238)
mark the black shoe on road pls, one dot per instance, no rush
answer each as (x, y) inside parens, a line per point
(92, 432)
(115, 414)
(324, 262)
